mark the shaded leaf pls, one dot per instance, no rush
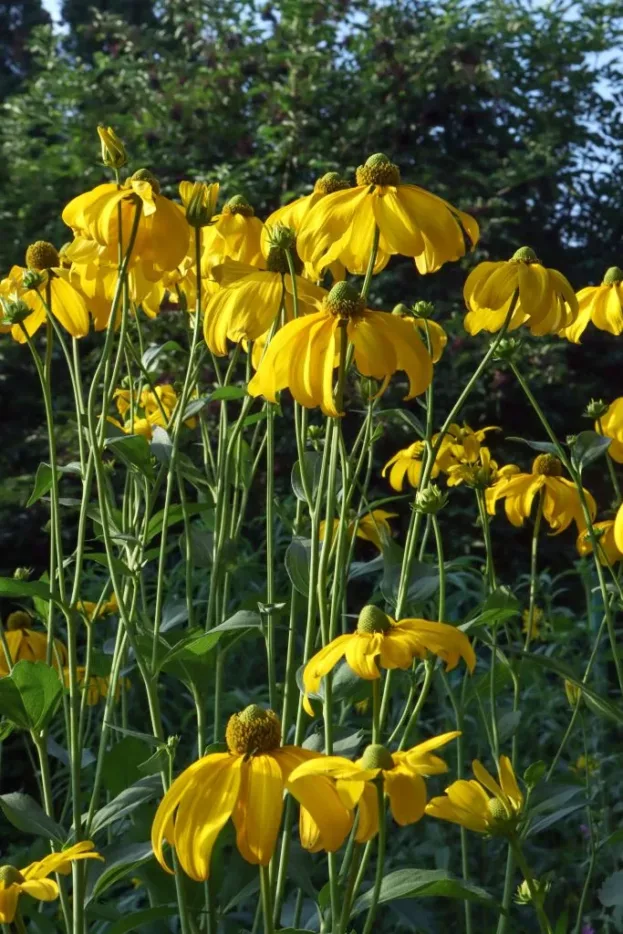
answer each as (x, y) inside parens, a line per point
(24, 813)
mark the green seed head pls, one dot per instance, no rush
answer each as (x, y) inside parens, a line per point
(378, 170)
(372, 619)
(377, 757)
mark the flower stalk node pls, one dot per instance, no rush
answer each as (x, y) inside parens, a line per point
(113, 151)
(253, 731)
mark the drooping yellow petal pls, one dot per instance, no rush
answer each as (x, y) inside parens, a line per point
(320, 664)
(257, 815)
(362, 650)
(407, 795)
(8, 903)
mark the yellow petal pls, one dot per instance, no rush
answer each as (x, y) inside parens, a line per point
(407, 795)
(257, 816)
(318, 796)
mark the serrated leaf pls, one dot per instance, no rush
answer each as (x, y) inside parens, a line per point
(24, 813)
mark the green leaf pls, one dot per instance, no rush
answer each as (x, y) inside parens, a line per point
(120, 861)
(192, 647)
(228, 393)
(161, 446)
(201, 544)
(195, 406)
(139, 919)
(297, 561)
(149, 358)
(176, 514)
(243, 619)
(44, 480)
(611, 893)
(30, 695)
(596, 703)
(10, 587)
(145, 789)
(424, 883)
(121, 763)
(155, 763)
(134, 451)
(553, 818)
(313, 467)
(24, 813)
(545, 447)
(587, 447)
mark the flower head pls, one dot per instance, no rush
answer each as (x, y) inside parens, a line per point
(533, 627)
(304, 353)
(162, 236)
(95, 688)
(371, 527)
(607, 551)
(481, 473)
(26, 644)
(38, 289)
(246, 783)
(433, 335)
(380, 640)
(407, 464)
(601, 304)
(401, 774)
(411, 221)
(34, 881)
(484, 805)
(461, 445)
(610, 424)
(561, 500)
(545, 303)
(92, 611)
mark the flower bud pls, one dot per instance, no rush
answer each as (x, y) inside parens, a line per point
(14, 309)
(573, 692)
(596, 408)
(368, 388)
(507, 349)
(423, 309)
(22, 574)
(200, 202)
(113, 150)
(282, 237)
(430, 500)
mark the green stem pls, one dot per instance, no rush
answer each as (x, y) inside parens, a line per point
(267, 909)
(380, 861)
(535, 895)
(612, 472)
(270, 554)
(428, 678)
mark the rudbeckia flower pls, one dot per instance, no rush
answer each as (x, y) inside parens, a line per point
(480, 473)
(91, 612)
(618, 529)
(408, 463)
(402, 775)
(151, 408)
(34, 881)
(372, 527)
(250, 299)
(26, 644)
(467, 802)
(426, 328)
(561, 501)
(611, 426)
(411, 221)
(534, 630)
(601, 304)
(163, 234)
(461, 445)
(235, 233)
(97, 687)
(29, 287)
(546, 301)
(608, 551)
(380, 640)
(247, 783)
(304, 353)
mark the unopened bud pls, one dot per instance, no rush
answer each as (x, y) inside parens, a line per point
(430, 500)
(113, 150)
(22, 574)
(573, 692)
(200, 202)
(368, 388)
(14, 310)
(596, 408)
(507, 349)
(282, 236)
(423, 309)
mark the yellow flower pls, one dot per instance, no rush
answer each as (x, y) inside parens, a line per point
(608, 552)
(43, 274)
(584, 764)
(33, 880)
(468, 804)
(380, 640)
(601, 304)
(618, 529)
(247, 783)
(199, 200)
(373, 527)
(407, 463)
(402, 775)
(461, 445)
(163, 235)
(304, 353)
(546, 301)
(561, 501)
(97, 687)
(431, 333)
(537, 618)
(481, 473)
(250, 299)
(412, 222)
(90, 609)
(26, 644)
(611, 426)
(151, 408)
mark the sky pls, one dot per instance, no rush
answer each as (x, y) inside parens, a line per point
(53, 7)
